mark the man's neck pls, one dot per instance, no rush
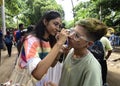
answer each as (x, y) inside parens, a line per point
(80, 53)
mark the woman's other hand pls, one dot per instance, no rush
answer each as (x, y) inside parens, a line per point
(49, 84)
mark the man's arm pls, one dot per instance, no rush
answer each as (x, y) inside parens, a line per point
(108, 54)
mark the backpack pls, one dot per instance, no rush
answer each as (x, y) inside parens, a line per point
(97, 50)
(8, 40)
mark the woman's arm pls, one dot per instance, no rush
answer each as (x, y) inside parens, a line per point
(44, 64)
(56, 60)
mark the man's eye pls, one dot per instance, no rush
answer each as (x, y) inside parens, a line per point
(77, 36)
(60, 27)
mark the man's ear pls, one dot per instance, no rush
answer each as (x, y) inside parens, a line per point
(90, 43)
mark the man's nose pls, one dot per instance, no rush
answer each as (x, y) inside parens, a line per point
(71, 36)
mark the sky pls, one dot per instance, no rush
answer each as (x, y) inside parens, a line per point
(67, 6)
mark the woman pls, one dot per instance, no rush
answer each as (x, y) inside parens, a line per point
(36, 53)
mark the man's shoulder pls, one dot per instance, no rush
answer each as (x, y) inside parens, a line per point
(93, 63)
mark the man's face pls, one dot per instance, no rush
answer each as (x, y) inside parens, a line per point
(78, 38)
(22, 27)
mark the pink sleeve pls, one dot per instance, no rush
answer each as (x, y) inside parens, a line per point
(31, 47)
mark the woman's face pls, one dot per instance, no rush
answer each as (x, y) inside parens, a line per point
(53, 26)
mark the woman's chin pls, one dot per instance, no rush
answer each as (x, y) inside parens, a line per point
(53, 34)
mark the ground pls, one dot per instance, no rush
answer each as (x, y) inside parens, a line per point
(8, 63)
(114, 68)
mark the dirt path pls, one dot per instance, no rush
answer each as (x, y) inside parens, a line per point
(7, 65)
(113, 67)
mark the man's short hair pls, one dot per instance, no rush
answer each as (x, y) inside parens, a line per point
(21, 24)
(94, 28)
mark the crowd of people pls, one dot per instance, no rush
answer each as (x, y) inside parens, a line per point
(114, 39)
(41, 47)
(13, 37)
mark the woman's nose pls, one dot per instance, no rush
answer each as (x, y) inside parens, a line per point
(58, 29)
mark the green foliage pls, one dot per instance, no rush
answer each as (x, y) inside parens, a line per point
(110, 12)
(40, 7)
(112, 4)
(28, 11)
(106, 10)
(85, 10)
(14, 8)
(70, 24)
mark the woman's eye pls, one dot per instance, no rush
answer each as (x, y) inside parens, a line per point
(56, 24)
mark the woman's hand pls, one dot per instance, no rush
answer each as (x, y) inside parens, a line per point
(62, 36)
(49, 84)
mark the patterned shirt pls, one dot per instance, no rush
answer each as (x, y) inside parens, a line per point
(33, 51)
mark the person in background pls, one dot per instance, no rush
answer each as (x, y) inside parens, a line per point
(19, 32)
(112, 39)
(9, 42)
(18, 35)
(80, 67)
(36, 53)
(1, 43)
(108, 50)
(14, 36)
(25, 32)
(30, 28)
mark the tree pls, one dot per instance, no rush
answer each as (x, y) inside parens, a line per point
(28, 11)
(13, 9)
(40, 7)
(110, 12)
(107, 11)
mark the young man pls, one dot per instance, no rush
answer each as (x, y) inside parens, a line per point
(80, 67)
(108, 50)
(18, 36)
(19, 32)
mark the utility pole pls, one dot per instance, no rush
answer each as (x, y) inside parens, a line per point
(100, 12)
(3, 17)
(3, 23)
(73, 11)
